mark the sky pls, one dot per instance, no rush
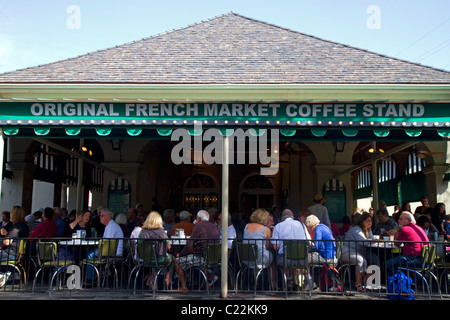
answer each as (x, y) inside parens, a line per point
(35, 32)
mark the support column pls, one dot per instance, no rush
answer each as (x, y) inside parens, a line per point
(225, 201)
(80, 192)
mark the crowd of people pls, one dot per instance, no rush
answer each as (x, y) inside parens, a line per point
(270, 227)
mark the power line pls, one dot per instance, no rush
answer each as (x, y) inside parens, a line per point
(433, 50)
(442, 23)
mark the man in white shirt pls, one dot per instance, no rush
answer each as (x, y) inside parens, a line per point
(112, 231)
(320, 211)
(288, 229)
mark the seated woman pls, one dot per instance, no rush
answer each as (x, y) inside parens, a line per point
(153, 230)
(257, 232)
(354, 251)
(19, 229)
(323, 244)
(76, 253)
(81, 222)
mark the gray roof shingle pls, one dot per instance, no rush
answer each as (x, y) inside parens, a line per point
(231, 49)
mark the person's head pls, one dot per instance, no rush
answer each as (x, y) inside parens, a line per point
(213, 214)
(405, 206)
(169, 215)
(260, 216)
(17, 214)
(153, 221)
(287, 213)
(48, 213)
(424, 201)
(6, 216)
(440, 209)
(406, 218)
(139, 207)
(319, 198)
(202, 216)
(185, 215)
(86, 216)
(106, 215)
(121, 218)
(312, 222)
(382, 215)
(365, 221)
(424, 221)
(131, 214)
(447, 217)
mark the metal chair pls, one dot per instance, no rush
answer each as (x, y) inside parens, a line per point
(428, 264)
(247, 254)
(107, 249)
(442, 265)
(212, 256)
(147, 256)
(343, 267)
(46, 257)
(296, 257)
(16, 263)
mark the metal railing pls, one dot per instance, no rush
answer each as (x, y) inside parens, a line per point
(253, 266)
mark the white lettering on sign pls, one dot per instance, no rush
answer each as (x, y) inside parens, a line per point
(234, 110)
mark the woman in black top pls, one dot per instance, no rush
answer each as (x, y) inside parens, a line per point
(19, 229)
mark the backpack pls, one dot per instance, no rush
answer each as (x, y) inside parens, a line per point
(330, 280)
(399, 287)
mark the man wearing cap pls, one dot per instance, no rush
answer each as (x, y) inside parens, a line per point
(320, 211)
(287, 229)
(185, 223)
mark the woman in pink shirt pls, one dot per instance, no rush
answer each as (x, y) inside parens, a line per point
(413, 238)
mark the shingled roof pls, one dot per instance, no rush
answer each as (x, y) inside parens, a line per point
(231, 49)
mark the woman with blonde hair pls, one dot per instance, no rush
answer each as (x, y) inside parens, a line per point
(153, 230)
(257, 232)
(18, 230)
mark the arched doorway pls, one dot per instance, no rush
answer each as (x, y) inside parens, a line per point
(256, 191)
(201, 191)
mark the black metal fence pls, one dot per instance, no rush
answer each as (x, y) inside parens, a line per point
(288, 268)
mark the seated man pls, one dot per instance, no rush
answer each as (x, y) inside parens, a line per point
(192, 253)
(288, 229)
(411, 252)
(112, 231)
(385, 223)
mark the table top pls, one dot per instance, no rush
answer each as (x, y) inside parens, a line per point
(381, 244)
(78, 242)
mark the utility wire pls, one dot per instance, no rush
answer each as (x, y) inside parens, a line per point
(442, 23)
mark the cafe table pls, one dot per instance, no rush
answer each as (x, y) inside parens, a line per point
(77, 248)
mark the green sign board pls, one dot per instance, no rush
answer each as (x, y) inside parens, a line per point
(288, 113)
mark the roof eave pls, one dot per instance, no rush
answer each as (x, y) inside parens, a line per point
(224, 92)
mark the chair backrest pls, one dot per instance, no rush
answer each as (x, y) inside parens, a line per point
(46, 251)
(146, 251)
(107, 248)
(428, 256)
(213, 254)
(295, 250)
(246, 252)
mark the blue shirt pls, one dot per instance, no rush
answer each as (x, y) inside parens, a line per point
(327, 249)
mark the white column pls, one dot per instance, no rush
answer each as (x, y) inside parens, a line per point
(375, 180)
(225, 175)
(80, 180)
